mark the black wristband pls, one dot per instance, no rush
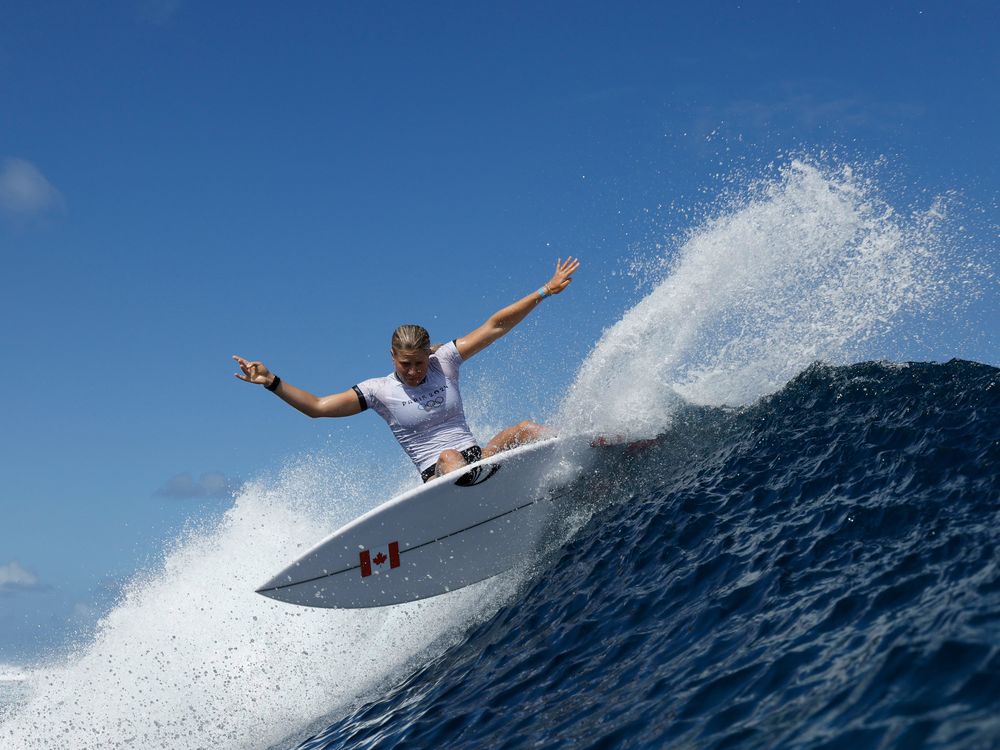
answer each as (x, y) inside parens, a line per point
(274, 384)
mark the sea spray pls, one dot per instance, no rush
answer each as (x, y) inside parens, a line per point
(12, 687)
(812, 265)
(191, 657)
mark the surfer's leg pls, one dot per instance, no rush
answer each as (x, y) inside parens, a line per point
(519, 434)
(448, 461)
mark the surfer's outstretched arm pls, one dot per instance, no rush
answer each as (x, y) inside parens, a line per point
(500, 322)
(343, 404)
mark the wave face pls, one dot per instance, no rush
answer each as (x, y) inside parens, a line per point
(818, 570)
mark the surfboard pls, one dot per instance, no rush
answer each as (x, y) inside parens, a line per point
(451, 532)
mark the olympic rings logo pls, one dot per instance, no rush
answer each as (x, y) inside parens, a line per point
(433, 403)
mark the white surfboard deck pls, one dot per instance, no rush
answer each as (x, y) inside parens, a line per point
(437, 537)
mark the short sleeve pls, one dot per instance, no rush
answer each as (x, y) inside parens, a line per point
(450, 360)
(367, 392)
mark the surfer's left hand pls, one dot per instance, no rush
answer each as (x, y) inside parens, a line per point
(563, 275)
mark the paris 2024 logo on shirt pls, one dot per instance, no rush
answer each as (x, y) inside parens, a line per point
(431, 404)
(429, 401)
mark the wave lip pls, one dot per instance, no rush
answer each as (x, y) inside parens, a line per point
(813, 265)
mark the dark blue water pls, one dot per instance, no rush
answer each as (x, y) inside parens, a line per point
(819, 570)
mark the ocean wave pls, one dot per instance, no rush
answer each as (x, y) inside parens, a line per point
(816, 570)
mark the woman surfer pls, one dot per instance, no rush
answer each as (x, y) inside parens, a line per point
(420, 399)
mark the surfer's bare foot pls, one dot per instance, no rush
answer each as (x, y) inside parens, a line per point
(520, 434)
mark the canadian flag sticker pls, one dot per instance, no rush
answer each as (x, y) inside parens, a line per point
(378, 557)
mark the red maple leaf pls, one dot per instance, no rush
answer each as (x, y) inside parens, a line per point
(379, 559)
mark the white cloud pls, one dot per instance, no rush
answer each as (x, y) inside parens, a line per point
(789, 107)
(24, 190)
(184, 486)
(15, 577)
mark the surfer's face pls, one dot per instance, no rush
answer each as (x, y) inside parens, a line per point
(411, 365)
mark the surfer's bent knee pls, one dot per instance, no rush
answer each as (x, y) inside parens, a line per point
(450, 459)
(528, 431)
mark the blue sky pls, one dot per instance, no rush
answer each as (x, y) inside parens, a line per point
(183, 181)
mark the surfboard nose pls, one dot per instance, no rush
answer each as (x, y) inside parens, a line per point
(287, 594)
(269, 593)
(302, 582)
(279, 587)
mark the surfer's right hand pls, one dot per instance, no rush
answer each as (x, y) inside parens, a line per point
(253, 372)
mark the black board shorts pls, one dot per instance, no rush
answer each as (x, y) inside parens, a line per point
(471, 455)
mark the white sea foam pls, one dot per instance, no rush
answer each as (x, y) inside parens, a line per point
(193, 658)
(10, 673)
(13, 681)
(809, 266)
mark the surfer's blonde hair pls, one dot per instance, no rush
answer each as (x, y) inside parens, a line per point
(412, 337)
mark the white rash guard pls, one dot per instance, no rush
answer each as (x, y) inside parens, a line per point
(427, 418)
